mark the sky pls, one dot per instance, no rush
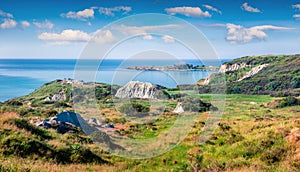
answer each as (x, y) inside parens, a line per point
(63, 28)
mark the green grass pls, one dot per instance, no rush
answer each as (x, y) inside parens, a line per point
(250, 136)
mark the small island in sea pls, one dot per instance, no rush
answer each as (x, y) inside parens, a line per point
(176, 67)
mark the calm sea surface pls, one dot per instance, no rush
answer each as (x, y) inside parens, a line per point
(21, 76)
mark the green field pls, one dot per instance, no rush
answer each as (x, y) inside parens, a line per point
(250, 136)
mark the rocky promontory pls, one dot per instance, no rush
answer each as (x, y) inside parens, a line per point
(136, 89)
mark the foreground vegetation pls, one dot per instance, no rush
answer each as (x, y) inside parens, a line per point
(251, 136)
(259, 129)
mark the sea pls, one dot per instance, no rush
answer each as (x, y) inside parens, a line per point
(20, 77)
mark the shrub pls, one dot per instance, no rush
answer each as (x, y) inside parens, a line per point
(289, 101)
(295, 83)
(195, 105)
(272, 85)
(14, 103)
(236, 90)
(135, 106)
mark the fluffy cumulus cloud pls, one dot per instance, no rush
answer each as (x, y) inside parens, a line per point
(296, 6)
(44, 25)
(296, 16)
(112, 11)
(8, 23)
(240, 34)
(168, 39)
(5, 14)
(211, 8)
(80, 15)
(7, 20)
(102, 36)
(188, 11)
(73, 36)
(25, 23)
(249, 8)
(66, 35)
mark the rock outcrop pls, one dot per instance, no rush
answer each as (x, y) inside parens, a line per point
(232, 67)
(205, 81)
(253, 71)
(178, 109)
(67, 122)
(61, 96)
(136, 89)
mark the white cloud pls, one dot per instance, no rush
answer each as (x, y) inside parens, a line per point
(102, 36)
(73, 36)
(25, 23)
(66, 35)
(249, 8)
(44, 25)
(211, 8)
(168, 39)
(297, 6)
(80, 15)
(213, 25)
(188, 11)
(296, 16)
(135, 30)
(240, 34)
(8, 23)
(147, 37)
(4, 14)
(111, 11)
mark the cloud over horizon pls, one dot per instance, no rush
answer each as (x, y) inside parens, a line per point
(239, 34)
(5, 14)
(80, 15)
(136, 30)
(25, 23)
(111, 11)
(188, 11)
(44, 25)
(296, 6)
(211, 8)
(168, 39)
(75, 36)
(249, 8)
(8, 23)
(296, 16)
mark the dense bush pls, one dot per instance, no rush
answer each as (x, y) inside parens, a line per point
(135, 106)
(295, 83)
(289, 101)
(194, 105)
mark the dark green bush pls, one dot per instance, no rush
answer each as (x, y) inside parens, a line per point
(289, 101)
(192, 104)
(295, 83)
(135, 106)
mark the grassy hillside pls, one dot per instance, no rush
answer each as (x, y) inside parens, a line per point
(251, 136)
(281, 77)
(256, 133)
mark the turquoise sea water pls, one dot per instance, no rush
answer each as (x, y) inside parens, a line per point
(21, 76)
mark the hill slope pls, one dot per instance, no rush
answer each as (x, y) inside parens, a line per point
(275, 75)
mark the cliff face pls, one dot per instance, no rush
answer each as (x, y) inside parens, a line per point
(234, 67)
(136, 89)
(253, 71)
(225, 68)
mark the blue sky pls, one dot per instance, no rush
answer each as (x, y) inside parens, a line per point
(62, 28)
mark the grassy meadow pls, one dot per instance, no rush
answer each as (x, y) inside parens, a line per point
(251, 136)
